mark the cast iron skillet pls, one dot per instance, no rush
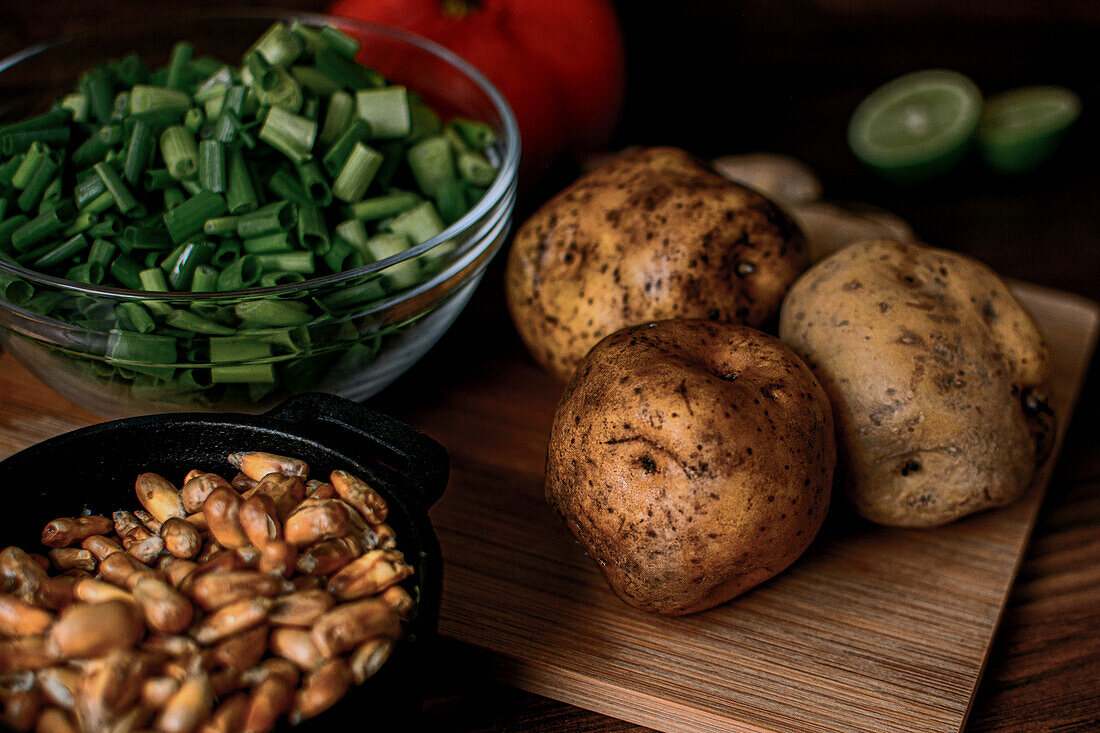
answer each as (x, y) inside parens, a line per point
(95, 468)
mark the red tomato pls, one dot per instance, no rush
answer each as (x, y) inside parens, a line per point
(558, 62)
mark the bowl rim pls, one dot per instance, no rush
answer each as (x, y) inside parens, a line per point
(503, 185)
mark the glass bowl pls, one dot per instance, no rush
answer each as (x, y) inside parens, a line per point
(362, 332)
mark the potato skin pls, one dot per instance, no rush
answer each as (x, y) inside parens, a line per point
(651, 235)
(938, 378)
(692, 460)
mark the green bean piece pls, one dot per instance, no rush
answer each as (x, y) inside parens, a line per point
(344, 72)
(102, 252)
(387, 111)
(42, 226)
(180, 153)
(88, 272)
(289, 133)
(151, 101)
(476, 169)
(276, 242)
(269, 312)
(36, 185)
(333, 160)
(477, 135)
(339, 116)
(228, 252)
(124, 199)
(285, 185)
(358, 172)
(432, 164)
(212, 166)
(126, 272)
(312, 232)
(279, 216)
(286, 262)
(188, 321)
(205, 279)
(64, 251)
(182, 53)
(272, 279)
(314, 184)
(188, 218)
(240, 194)
(242, 273)
(383, 207)
(133, 317)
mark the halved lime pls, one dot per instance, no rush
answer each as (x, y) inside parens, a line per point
(1021, 128)
(916, 126)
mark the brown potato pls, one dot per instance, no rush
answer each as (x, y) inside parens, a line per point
(938, 379)
(649, 236)
(693, 460)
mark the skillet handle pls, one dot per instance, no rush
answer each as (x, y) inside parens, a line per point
(423, 462)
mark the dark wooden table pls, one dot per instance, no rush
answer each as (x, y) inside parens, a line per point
(723, 77)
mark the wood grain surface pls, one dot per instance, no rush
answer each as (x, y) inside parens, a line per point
(794, 71)
(874, 629)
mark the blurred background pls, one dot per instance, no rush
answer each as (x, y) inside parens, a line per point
(733, 76)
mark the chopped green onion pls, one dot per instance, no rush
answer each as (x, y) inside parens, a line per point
(102, 252)
(272, 279)
(343, 44)
(277, 242)
(271, 312)
(44, 225)
(289, 133)
(182, 53)
(275, 217)
(333, 161)
(387, 111)
(124, 200)
(137, 318)
(126, 272)
(228, 252)
(188, 321)
(64, 251)
(477, 135)
(242, 273)
(189, 217)
(314, 184)
(278, 45)
(212, 166)
(383, 207)
(181, 155)
(149, 101)
(87, 272)
(419, 223)
(205, 279)
(358, 172)
(312, 232)
(401, 274)
(240, 194)
(287, 262)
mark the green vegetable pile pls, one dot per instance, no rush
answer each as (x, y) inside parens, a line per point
(203, 177)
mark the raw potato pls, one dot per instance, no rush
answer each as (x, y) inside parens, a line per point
(693, 460)
(938, 379)
(651, 235)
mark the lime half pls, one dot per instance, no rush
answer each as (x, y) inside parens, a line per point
(916, 126)
(1021, 128)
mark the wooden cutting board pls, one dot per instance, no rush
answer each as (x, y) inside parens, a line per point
(874, 629)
